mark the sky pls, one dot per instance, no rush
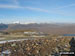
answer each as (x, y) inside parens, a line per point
(37, 11)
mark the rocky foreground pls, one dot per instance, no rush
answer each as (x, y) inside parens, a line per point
(38, 47)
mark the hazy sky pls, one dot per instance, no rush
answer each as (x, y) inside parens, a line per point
(38, 11)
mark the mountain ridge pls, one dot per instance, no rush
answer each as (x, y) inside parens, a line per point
(47, 28)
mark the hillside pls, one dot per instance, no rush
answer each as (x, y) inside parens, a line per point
(48, 28)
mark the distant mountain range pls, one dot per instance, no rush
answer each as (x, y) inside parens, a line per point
(44, 27)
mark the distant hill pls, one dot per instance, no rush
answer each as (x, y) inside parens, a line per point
(48, 28)
(3, 26)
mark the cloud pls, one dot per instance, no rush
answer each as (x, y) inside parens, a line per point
(57, 11)
(37, 9)
(65, 6)
(16, 6)
(16, 2)
(9, 6)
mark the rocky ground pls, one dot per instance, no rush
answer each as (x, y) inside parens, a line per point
(39, 46)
